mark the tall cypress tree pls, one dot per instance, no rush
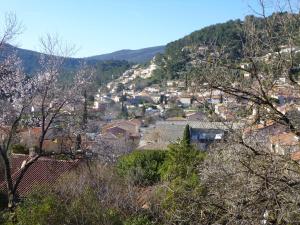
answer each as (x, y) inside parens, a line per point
(187, 135)
(85, 113)
(78, 142)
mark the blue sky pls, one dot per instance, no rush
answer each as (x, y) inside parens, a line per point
(102, 26)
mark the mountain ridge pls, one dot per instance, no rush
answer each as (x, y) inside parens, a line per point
(30, 59)
(136, 56)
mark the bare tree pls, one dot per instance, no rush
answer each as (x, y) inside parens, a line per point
(11, 29)
(15, 97)
(269, 53)
(110, 150)
(52, 100)
(244, 187)
(111, 189)
(55, 101)
(246, 182)
(243, 181)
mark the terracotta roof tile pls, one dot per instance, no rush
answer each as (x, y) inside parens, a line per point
(45, 171)
(296, 156)
(285, 139)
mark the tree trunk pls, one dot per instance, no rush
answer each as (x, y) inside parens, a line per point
(10, 193)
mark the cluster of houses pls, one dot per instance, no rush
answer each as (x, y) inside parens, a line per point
(152, 129)
(156, 99)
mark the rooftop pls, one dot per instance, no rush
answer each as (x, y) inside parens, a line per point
(45, 171)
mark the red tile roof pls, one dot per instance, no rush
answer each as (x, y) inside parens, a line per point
(296, 156)
(117, 131)
(45, 171)
(131, 127)
(15, 165)
(285, 139)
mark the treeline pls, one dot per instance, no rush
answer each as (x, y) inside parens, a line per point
(111, 69)
(104, 71)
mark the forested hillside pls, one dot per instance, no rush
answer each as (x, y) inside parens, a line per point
(105, 70)
(111, 69)
(135, 56)
(30, 59)
(229, 38)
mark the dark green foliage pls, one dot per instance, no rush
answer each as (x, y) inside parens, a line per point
(120, 87)
(138, 220)
(187, 135)
(181, 161)
(229, 36)
(20, 149)
(136, 56)
(124, 111)
(184, 189)
(42, 209)
(105, 71)
(109, 70)
(78, 142)
(182, 198)
(39, 209)
(141, 83)
(84, 197)
(143, 110)
(224, 34)
(173, 64)
(85, 111)
(142, 167)
(84, 209)
(104, 68)
(90, 99)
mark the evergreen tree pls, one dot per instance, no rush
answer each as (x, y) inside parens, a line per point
(187, 135)
(186, 81)
(182, 158)
(123, 99)
(143, 110)
(78, 142)
(85, 113)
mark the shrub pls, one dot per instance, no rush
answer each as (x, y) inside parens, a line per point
(181, 169)
(142, 167)
(180, 199)
(20, 149)
(52, 208)
(181, 161)
(40, 209)
(138, 220)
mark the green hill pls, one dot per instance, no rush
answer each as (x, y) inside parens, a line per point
(135, 56)
(230, 36)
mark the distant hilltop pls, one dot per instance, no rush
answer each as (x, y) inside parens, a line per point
(135, 56)
(30, 59)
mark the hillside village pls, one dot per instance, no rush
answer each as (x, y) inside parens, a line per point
(164, 109)
(123, 118)
(188, 132)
